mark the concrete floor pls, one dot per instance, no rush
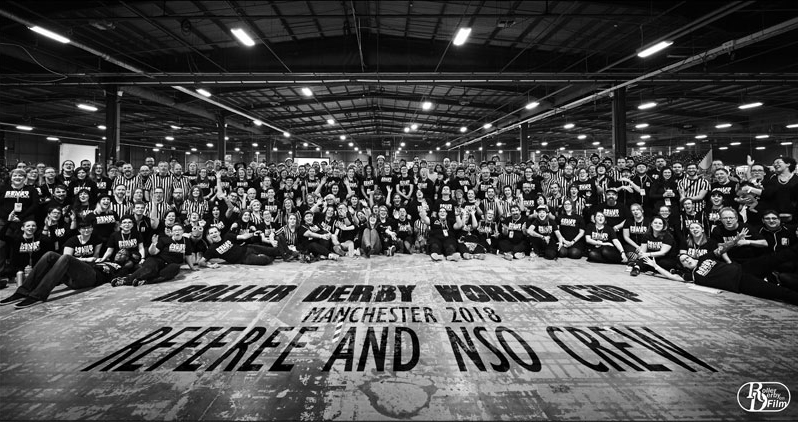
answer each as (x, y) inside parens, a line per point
(667, 351)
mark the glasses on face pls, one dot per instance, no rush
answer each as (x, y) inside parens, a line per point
(770, 218)
(728, 218)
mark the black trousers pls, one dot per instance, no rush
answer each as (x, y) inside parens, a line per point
(155, 270)
(755, 286)
(446, 246)
(541, 248)
(260, 255)
(574, 252)
(512, 245)
(605, 254)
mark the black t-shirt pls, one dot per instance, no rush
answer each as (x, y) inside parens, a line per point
(227, 249)
(404, 228)
(26, 252)
(173, 252)
(83, 250)
(516, 228)
(386, 181)
(655, 244)
(720, 234)
(569, 226)
(446, 204)
(614, 213)
(637, 231)
(729, 192)
(118, 241)
(716, 274)
(104, 224)
(696, 251)
(405, 184)
(543, 227)
(604, 234)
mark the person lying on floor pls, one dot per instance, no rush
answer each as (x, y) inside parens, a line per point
(163, 264)
(53, 269)
(229, 249)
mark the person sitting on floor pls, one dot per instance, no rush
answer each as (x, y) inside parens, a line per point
(163, 264)
(229, 249)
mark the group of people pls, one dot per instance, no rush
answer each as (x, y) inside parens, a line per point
(90, 224)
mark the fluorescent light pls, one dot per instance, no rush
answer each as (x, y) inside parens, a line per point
(437, 148)
(543, 144)
(327, 152)
(462, 36)
(679, 148)
(203, 92)
(568, 126)
(101, 127)
(645, 136)
(537, 152)
(792, 126)
(531, 105)
(193, 150)
(762, 136)
(760, 148)
(562, 148)
(255, 144)
(463, 129)
(175, 127)
(749, 105)
(407, 129)
(600, 148)
(641, 125)
(414, 126)
(597, 143)
(210, 145)
(342, 137)
(23, 127)
(318, 149)
(87, 107)
(448, 144)
(226, 138)
(155, 150)
(426, 105)
(786, 143)
(52, 138)
(498, 144)
(654, 48)
(519, 148)
(351, 144)
(487, 126)
(330, 121)
(243, 37)
(402, 144)
(641, 143)
(188, 153)
(689, 144)
(290, 153)
(257, 122)
(642, 148)
(430, 152)
(723, 148)
(274, 149)
(286, 134)
(581, 137)
(722, 125)
(104, 138)
(159, 145)
(646, 106)
(500, 151)
(356, 149)
(307, 92)
(49, 34)
(304, 144)
(169, 138)
(701, 136)
(734, 144)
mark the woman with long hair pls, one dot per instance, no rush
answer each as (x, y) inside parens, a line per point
(83, 182)
(287, 210)
(604, 244)
(578, 202)
(697, 243)
(83, 204)
(660, 245)
(104, 183)
(206, 184)
(315, 242)
(346, 225)
(104, 217)
(570, 231)
(634, 232)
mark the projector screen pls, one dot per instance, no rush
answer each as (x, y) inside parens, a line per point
(76, 153)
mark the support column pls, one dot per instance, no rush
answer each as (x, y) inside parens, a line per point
(293, 150)
(484, 152)
(619, 122)
(268, 154)
(525, 141)
(110, 151)
(221, 144)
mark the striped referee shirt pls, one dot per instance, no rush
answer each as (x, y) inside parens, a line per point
(164, 182)
(120, 208)
(488, 204)
(182, 182)
(693, 187)
(129, 184)
(161, 209)
(287, 235)
(508, 179)
(200, 207)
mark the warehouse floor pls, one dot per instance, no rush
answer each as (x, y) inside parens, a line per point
(367, 339)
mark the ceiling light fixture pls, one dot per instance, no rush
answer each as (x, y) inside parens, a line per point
(500, 151)
(749, 105)
(531, 105)
(430, 152)
(646, 106)
(562, 148)
(25, 128)
(480, 148)
(792, 126)
(463, 129)
(462, 36)
(448, 144)
(155, 149)
(342, 137)
(645, 136)
(330, 122)
(689, 144)
(159, 145)
(722, 125)
(679, 148)
(568, 126)
(255, 144)
(52, 138)
(49, 34)
(437, 148)
(101, 127)
(426, 105)
(654, 49)
(487, 125)
(723, 148)
(304, 144)
(204, 92)
(307, 92)
(178, 127)
(407, 129)
(257, 122)
(786, 143)
(209, 145)
(701, 136)
(274, 149)
(581, 137)
(641, 125)
(414, 126)
(600, 148)
(318, 149)
(243, 37)
(87, 107)
(286, 134)
(543, 144)
(193, 150)
(762, 136)
(226, 138)
(402, 144)
(351, 144)
(169, 138)
(597, 143)
(734, 144)
(641, 143)
(236, 149)
(760, 148)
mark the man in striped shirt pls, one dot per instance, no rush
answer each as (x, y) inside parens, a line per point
(144, 182)
(694, 186)
(126, 179)
(508, 177)
(179, 180)
(163, 179)
(119, 202)
(158, 207)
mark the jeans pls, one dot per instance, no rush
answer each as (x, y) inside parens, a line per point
(259, 255)
(155, 270)
(54, 269)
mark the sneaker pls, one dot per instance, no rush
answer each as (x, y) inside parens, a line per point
(480, 256)
(11, 299)
(332, 257)
(27, 302)
(350, 252)
(137, 283)
(453, 257)
(391, 250)
(467, 256)
(519, 255)
(635, 271)
(436, 257)
(508, 256)
(120, 281)
(337, 249)
(356, 252)
(367, 252)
